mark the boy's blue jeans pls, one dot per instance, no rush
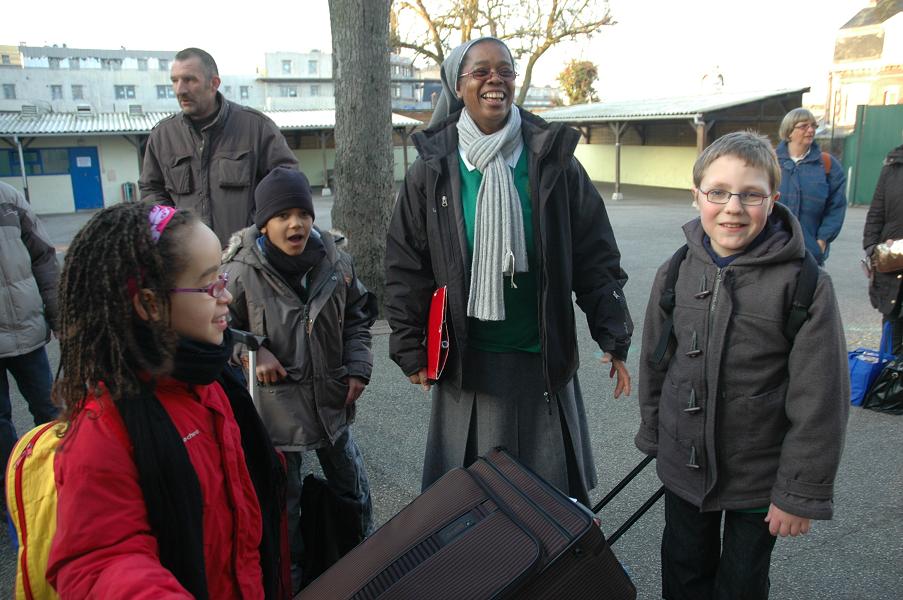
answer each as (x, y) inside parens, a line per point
(343, 466)
(696, 565)
(34, 379)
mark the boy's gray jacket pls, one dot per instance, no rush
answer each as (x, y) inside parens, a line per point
(749, 419)
(319, 343)
(28, 277)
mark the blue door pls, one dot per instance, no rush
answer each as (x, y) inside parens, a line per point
(85, 172)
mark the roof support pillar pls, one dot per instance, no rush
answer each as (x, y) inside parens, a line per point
(405, 133)
(18, 143)
(702, 128)
(326, 190)
(617, 128)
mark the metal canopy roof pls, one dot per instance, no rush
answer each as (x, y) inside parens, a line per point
(65, 124)
(647, 109)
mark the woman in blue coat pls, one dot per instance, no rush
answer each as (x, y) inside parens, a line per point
(812, 183)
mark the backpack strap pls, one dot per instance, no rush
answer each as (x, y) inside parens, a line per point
(802, 297)
(826, 159)
(668, 301)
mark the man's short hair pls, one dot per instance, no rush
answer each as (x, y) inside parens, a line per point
(207, 62)
(751, 147)
(792, 119)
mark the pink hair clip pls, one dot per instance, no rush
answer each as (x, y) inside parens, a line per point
(158, 218)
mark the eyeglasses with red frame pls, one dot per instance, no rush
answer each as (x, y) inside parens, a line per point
(214, 290)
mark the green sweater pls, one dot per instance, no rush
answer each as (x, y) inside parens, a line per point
(519, 332)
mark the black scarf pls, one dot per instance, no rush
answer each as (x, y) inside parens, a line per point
(294, 268)
(169, 483)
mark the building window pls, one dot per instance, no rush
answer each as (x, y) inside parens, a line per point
(75, 64)
(314, 90)
(287, 66)
(56, 92)
(142, 64)
(312, 67)
(124, 92)
(46, 161)
(5, 59)
(244, 92)
(164, 64)
(890, 95)
(288, 91)
(78, 92)
(111, 64)
(9, 91)
(227, 90)
(165, 91)
(53, 63)
(396, 91)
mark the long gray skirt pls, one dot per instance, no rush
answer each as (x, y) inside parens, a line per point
(501, 402)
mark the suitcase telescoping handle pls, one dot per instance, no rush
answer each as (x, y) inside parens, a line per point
(640, 511)
(253, 342)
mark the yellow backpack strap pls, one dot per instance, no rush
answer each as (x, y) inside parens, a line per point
(31, 501)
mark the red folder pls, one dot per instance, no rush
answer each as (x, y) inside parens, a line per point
(436, 335)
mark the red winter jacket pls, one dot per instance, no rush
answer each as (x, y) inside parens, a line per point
(104, 547)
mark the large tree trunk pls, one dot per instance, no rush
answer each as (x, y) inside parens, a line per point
(363, 133)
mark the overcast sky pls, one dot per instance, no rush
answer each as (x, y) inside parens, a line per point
(658, 47)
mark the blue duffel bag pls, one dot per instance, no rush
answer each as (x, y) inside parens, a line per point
(866, 365)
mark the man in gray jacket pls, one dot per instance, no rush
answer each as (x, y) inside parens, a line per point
(28, 309)
(210, 157)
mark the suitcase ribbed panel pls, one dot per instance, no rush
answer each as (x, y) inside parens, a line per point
(453, 495)
(478, 565)
(399, 569)
(552, 536)
(567, 515)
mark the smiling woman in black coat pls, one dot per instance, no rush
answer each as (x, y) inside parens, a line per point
(884, 222)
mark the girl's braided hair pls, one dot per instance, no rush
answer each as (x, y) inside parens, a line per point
(102, 339)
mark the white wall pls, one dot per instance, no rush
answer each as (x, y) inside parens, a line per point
(53, 193)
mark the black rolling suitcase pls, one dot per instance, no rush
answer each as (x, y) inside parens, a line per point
(493, 530)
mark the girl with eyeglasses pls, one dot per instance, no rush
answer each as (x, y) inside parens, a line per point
(499, 210)
(812, 183)
(167, 483)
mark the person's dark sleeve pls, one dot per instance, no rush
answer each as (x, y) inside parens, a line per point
(360, 312)
(273, 150)
(44, 266)
(817, 405)
(874, 219)
(835, 205)
(410, 281)
(652, 374)
(151, 182)
(598, 277)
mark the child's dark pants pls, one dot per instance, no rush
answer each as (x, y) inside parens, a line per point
(695, 564)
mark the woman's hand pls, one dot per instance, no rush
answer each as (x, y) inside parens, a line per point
(784, 524)
(822, 244)
(269, 370)
(620, 369)
(420, 378)
(356, 387)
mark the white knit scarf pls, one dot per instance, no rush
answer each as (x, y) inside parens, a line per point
(499, 248)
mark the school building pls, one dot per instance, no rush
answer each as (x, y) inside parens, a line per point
(69, 161)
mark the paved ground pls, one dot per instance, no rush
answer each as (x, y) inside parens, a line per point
(859, 555)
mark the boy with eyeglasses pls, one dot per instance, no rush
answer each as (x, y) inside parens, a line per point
(292, 284)
(746, 421)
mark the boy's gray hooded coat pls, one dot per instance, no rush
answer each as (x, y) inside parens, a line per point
(319, 343)
(772, 417)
